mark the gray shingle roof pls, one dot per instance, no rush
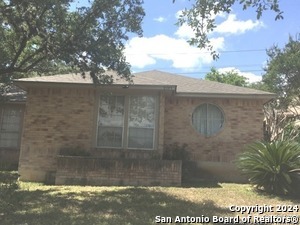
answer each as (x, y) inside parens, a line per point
(184, 85)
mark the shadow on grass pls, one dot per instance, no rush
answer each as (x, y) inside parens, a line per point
(293, 198)
(201, 184)
(129, 206)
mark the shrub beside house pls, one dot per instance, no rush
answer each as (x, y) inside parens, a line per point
(136, 121)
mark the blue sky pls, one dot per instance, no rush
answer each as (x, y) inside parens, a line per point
(239, 37)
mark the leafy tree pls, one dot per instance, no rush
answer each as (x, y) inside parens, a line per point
(283, 71)
(283, 78)
(259, 85)
(201, 17)
(49, 36)
(230, 77)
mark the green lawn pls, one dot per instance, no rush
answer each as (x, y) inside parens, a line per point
(41, 204)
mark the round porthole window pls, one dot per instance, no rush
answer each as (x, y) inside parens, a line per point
(207, 119)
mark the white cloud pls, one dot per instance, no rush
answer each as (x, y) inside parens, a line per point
(141, 52)
(230, 25)
(144, 51)
(178, 14)
(136, 52)
(185, 32)
(160, 19)
(251, 76)
(233, 26)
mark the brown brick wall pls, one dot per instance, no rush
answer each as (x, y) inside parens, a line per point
(57, 118)
(243, 124)
(96, 171)
(54, 118)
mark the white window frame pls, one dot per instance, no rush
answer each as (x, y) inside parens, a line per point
(152, 128)
(125, 132)
(98, 123)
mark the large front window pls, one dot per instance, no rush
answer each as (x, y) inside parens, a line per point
(127, 122)
(111, 121)
(141, 122)
(10, 127)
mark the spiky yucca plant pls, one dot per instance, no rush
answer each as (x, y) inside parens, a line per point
(270, 166)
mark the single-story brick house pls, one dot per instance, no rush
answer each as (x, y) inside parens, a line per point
(127, 121)
(12, 106)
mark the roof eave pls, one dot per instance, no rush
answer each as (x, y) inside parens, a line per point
(227, 95)
(27, 84)
(169, 88)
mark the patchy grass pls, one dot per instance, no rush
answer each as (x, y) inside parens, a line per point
(42, 204)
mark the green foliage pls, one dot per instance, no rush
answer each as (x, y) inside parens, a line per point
(74, 152)
(233, 78)
(283, 71)
(270, 166)
(290, 132)
(176, 151)
(201, 17)
(230, 77)
(259, 85)
(8, 187)
(52, 36)
(283, 78)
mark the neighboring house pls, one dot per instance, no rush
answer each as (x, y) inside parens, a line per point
(12, 107)
(137, 120)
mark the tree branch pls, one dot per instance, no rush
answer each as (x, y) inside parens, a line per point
(28, 58)
(28, 68)
(19, 52)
